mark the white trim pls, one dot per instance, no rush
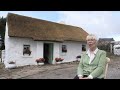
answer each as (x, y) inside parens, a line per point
(63, 53)
(27, 56)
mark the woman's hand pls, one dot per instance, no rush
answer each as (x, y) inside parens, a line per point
(83, 78)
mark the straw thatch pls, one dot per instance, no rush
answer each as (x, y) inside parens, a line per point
(37, 29)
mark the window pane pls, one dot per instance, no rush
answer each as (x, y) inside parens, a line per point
(64, 48)
(83, 47)
(26, 49)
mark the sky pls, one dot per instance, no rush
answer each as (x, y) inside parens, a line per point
(104, 24)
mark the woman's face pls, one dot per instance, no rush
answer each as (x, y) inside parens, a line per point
(91, 43)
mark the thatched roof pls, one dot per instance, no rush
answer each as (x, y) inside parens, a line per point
(37, 29)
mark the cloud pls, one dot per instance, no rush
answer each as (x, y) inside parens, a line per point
(102, 23)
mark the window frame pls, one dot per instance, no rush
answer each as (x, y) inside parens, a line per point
(64, 48)
(27, 51)
(83, 47)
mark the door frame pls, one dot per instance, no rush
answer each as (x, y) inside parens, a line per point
(50, 52)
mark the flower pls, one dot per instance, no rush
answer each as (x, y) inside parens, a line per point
(58, 59)
(61, 59)
(40, 60)
(27, 52)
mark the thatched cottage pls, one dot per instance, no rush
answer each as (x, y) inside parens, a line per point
(27, 39)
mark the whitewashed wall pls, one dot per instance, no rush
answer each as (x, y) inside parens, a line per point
(73, 49)
(3, 56)
(14, 50)
(56, 51)
(39, 49)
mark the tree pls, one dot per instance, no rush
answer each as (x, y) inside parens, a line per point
(2, 31)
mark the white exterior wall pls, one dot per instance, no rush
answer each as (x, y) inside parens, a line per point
(39, 50)
(6, 46)
(3, 56)
(14, 50)
(73, 49)
(116, 51)
(56, 51)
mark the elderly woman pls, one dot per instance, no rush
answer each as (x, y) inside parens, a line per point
(93, 62)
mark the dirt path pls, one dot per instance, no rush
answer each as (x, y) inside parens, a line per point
(61, 71)
(114, 68)
(29, 71)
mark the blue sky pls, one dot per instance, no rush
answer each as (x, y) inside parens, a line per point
(46, 15)
(104, 24)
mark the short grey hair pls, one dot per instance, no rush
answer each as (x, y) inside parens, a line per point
(92, 36)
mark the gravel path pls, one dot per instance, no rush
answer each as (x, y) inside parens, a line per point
(61, 71)
(114, 68)
(39, 72)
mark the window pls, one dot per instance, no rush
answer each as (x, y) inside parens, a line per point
(117, 48)
(64, 48)
(26, 49)
(83, 47)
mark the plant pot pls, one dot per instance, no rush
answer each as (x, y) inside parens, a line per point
(58, 62)
(78, 59)
(11, 66)
(40, 63)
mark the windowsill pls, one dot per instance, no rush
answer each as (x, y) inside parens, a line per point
(26, 56)
(63, 54)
